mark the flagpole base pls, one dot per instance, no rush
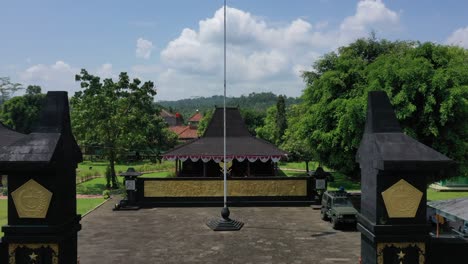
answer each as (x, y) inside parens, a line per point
(225, 223)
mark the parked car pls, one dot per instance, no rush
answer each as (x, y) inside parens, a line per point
(337, 208)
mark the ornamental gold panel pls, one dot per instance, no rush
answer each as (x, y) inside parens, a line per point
(402, 200)
(34, 248)
(31, 200)
(204, 188)
(402, 246)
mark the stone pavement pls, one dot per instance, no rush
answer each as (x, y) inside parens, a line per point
(179, 235)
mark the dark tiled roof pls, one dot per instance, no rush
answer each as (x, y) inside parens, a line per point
(235, 126)
(238, 141)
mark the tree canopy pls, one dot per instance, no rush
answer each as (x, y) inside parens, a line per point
(7, 88)
(117, 117)
(22, 112)
(426, 83)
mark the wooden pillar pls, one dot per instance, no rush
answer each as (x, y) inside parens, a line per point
(176, 167)
(204, 169)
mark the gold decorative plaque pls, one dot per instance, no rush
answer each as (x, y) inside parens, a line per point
(31, 200)
(402, 246)
(34, 248)
(402, 200)
(194, 188)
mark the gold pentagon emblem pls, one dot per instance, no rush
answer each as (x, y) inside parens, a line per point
(31, 200)
(402, 200)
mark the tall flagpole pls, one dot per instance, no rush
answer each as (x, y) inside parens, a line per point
(226, 223)
(224, 112)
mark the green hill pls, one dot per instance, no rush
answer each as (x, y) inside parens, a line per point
(255, 101)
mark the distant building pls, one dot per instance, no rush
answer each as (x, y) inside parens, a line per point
(250, 156)
(175, 122)
(172, 119)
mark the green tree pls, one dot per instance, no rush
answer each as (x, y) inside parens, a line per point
(7, 88)
(117, 116)
(295, 137)
(22, 112)
(203, 124)
(281, 122)
(269, 131)
(426, 83)
(253, 119)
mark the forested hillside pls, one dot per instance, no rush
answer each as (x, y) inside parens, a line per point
(255, 101)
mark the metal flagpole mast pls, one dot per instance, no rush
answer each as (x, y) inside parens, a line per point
(224, 112)
(226, 223)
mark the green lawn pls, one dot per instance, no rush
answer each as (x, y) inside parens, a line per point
(434, 195)
(297, 165)
(93, 168)
(159, 174)
(340, 180)
(84, 205)
(97, 186)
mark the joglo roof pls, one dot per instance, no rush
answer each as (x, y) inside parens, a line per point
(240, 144)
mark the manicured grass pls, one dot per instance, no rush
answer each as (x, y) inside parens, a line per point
(159, 174)
(297, 165)
(83, 205)
(93, 168)
(97, 186)
(340, 180)
(433, 195)
(3, 214)
(289, 173)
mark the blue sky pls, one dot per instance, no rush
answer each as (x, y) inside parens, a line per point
(178, 44)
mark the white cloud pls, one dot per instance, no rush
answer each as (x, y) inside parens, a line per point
(370, 15)
(143, 48)
(58, 76)
(459, 37)
(260, 54)
(106, 71)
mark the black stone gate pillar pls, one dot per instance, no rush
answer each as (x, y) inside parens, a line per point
(42, 220)
(394, 173)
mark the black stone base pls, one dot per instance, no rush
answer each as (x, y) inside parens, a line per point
(225, 225)
(124, 205)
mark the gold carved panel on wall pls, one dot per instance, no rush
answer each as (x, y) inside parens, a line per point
(33, 253)
(202, 188)
(401, 252)
(31, 200)
(402, 200)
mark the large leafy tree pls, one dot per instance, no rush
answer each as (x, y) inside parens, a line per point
(269, 130)
(117, 117)
(7, 88)
(280, 117)
(426, 83)
(22, 112)
(295, 137)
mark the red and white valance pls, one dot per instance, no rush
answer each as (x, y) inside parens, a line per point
(217, 159)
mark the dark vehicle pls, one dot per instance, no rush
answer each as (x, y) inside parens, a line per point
(337, 208)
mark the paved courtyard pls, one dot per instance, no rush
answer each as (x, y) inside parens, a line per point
(180, 235)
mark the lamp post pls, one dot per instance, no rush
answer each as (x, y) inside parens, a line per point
(130, 187)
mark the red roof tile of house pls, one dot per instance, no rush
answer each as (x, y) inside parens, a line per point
(196, 117)
(184, 132)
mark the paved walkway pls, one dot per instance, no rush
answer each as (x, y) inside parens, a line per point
(179, 235)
